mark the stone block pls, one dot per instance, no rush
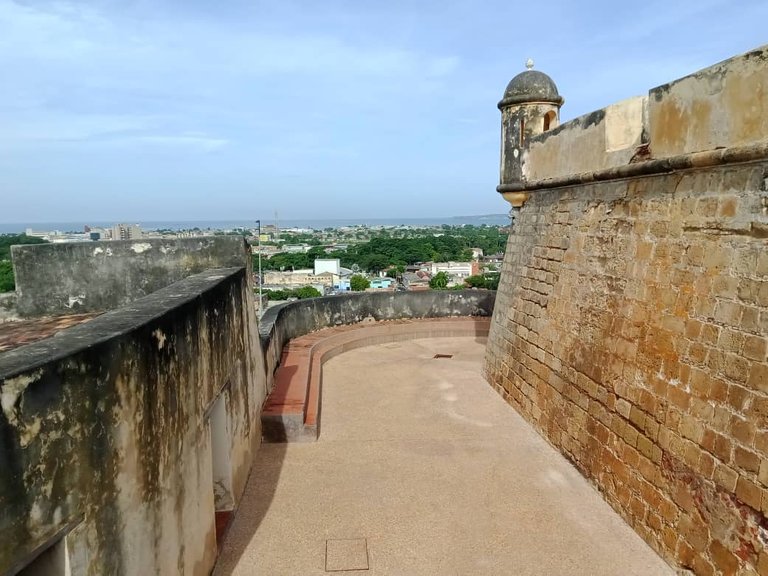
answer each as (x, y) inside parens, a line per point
(758, 377)
(749, 493)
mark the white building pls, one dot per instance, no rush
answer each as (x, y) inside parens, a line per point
(126, 232)
(296, 248)
(459, 269)
(298, 278)
(332, 265)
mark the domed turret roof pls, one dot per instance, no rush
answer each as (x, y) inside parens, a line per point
(531, 86)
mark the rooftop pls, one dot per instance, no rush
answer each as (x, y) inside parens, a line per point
(19, 333)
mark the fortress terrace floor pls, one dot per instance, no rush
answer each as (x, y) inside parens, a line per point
(420, 469)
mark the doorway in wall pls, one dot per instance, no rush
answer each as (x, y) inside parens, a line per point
(221, 465)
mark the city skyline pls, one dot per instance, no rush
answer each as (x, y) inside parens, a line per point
(192, 111)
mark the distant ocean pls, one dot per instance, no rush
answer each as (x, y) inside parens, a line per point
(490, 219)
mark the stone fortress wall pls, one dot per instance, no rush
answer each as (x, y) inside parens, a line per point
(631, 322)
(126, 441)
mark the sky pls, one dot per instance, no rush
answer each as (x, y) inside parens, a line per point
(141, 110)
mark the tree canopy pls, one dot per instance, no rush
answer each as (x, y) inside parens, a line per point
(386, 249)
(300, 293)
(359, 283)
(7, 282)
(8, 240)
(490, 281)
(439, 281)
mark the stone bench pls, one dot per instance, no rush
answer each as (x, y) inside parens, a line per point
(291, 412)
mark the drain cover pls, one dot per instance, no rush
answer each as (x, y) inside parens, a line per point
(443, 356)
(346, 554)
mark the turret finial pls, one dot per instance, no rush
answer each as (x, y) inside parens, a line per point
(529, 63)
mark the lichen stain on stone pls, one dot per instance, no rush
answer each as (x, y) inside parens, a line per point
(30, 432)
(141, 247)
(669, 126)
(10, 391)
(746, 97)
(158, 334)
(75, 300)
(700, 124)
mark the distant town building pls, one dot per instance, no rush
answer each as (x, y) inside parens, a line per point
(382, 284)
(298, 278)
(457, 269)
(126, 232)
(296, 248)
(36, 233)
(495, 259)
(332, 265)
(416, 280)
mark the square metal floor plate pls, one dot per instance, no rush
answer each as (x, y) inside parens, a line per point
(346, 554)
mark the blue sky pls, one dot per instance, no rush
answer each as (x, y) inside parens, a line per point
(138, 110)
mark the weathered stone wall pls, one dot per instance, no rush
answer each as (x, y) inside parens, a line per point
(721, 106)
(96, 276)
(282, 323)
(8, 307)
(631, 329)
(105, 430)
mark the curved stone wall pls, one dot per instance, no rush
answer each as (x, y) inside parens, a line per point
(282, 323)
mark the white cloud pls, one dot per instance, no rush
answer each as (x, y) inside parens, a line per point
(195, 143)
(81, 73)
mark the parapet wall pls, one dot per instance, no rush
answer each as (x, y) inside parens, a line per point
(73, 278)
(287, 321)
(721, 107)
(122, 437)
(631, 323)
(604, 139)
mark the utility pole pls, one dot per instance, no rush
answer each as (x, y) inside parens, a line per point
(277, 230)
(261, 298)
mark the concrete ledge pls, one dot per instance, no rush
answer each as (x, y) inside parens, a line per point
(75, 278)
(734, 155)
(111, 325)
(292, 411)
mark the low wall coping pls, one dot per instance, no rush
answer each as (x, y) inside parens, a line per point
(112, 324)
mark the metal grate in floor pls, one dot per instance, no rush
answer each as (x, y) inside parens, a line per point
(344, 555)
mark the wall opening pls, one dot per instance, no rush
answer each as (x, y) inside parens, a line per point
(522, 132)
(550, 120)
(221, 465)
(52, 561)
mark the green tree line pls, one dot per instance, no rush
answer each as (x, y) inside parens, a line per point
(300, 293)
(383, 251)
